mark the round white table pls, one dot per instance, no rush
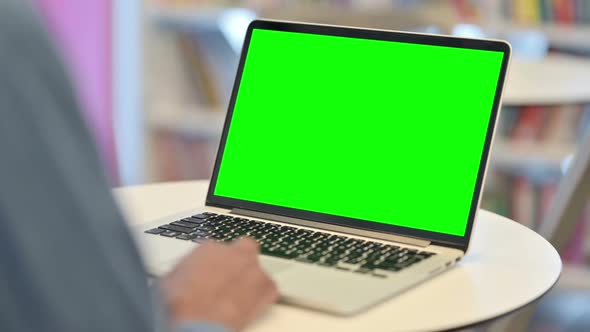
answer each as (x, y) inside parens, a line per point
(507, 267)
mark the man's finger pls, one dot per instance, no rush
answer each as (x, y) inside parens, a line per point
(246, 245)
(255, 294)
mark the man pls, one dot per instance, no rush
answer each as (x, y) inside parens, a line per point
(67, 260)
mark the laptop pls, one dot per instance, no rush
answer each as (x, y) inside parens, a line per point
(355, 158)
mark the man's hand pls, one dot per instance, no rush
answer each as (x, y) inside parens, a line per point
(219, 283)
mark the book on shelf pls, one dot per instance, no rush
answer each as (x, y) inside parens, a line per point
(529, 123)
(508, 119)
(544, 125)
(524, 202)
(219, 55)
(200, 74)
(560, 126)
(564, 11)
(546, 194)
(181, 157)
(495, 198)
(527, 11)
(547, 11)
(518, 197)
(536, 138)
(213, 65)
(576, 251)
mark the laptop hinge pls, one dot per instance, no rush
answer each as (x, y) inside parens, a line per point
(335, 228)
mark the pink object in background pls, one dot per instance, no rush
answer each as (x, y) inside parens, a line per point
(575, 250)
(82, 30)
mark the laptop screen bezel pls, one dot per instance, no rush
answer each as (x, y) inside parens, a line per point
(459, 242)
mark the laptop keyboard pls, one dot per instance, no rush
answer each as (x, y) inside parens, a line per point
(312, 247)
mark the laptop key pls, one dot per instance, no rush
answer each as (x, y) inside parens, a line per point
(303, 259)
(169, 233)
(199, 232)
(177, 228)
(289, 239)
(229, 237)
(303, 232)
(186, 236)
(319, 235)
(215, 218)
(194, 221)
(276, 252)
(201, 216)
(183, 224)
(313, 257)
(368, 265)
(376, 255)
(155, 231)
(204, 228)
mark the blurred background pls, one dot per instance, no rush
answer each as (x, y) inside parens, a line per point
(154, 78)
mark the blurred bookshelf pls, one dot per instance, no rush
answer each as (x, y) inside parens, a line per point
(565, 23)
(545, 113)
(566, 12)
(546, 109)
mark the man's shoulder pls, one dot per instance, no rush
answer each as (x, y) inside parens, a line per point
(16, 14)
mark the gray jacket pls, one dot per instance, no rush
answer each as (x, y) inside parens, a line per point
(67, 262)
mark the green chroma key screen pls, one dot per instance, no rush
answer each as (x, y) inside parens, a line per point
(382, 131)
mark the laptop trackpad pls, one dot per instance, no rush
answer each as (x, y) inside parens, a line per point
(273, 266)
